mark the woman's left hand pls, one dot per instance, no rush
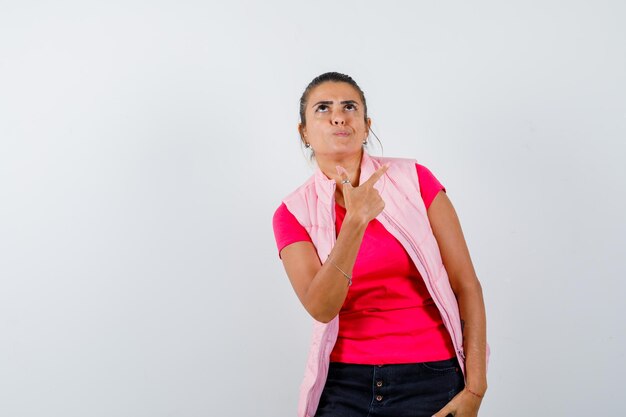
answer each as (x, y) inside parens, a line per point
(464, 404)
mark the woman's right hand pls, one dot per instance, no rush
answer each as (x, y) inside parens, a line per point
(363, 203)
(322, 288)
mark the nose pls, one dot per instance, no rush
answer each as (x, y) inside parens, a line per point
(338, 119)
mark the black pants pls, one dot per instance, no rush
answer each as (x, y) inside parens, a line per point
(405, 390)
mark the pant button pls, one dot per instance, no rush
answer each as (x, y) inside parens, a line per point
(379, 384)
(379, 398)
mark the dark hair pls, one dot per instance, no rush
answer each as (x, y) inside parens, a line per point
(335, 77)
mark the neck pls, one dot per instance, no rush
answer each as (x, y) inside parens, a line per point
(351, 163)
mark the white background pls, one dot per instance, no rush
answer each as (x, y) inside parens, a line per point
(144, 146)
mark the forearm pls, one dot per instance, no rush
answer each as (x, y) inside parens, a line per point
(329, 287)
(473, 319)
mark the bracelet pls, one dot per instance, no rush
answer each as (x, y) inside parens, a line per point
(348, 277)
(473, 393)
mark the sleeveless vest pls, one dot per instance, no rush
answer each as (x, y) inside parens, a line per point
(405, 217)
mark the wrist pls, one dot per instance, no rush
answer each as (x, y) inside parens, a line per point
(356, 222)
(476, 390)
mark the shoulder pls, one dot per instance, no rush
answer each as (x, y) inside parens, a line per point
(287, 230)
(422, 169)
(406, 163)
(394, 161)
(284, 221)
(425, 175)
(281, 213)
(398, 167)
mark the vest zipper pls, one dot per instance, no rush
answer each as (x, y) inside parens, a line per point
(435, 290)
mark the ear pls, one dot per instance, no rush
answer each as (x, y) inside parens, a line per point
(302, 131)
(368, 123)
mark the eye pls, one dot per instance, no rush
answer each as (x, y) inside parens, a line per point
(350, 107)
(322, 108)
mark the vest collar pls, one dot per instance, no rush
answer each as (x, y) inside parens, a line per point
(325, 187)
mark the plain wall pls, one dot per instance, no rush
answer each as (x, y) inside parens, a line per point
(144, 147)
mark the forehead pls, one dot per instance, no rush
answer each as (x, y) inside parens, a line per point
(333, 91)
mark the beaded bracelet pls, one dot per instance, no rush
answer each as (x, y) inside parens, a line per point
(473, 393)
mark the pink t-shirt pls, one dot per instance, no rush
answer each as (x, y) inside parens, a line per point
(388, 315)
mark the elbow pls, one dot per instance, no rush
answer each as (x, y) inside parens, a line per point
(321, 315)
(324, 318)
(466, 286)
(320, 310)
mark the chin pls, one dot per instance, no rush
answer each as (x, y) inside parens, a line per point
(348, 152)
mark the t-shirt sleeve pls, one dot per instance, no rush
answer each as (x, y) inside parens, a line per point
(429, 185)
(287, 229)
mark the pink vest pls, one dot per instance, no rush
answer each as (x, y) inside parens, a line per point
(405, 217)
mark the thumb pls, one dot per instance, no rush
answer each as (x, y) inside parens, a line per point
(345, 179)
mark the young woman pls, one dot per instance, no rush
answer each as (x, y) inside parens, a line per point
(375, 253)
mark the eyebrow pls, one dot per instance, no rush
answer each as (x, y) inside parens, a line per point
(327, 102)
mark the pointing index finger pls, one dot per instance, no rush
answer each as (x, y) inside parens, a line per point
(376, 175)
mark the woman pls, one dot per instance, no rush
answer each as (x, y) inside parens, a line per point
(375, 253)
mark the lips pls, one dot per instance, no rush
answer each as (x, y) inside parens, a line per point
(341, 133)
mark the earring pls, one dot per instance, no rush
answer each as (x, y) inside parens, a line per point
(307, 145)
(365, 141)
